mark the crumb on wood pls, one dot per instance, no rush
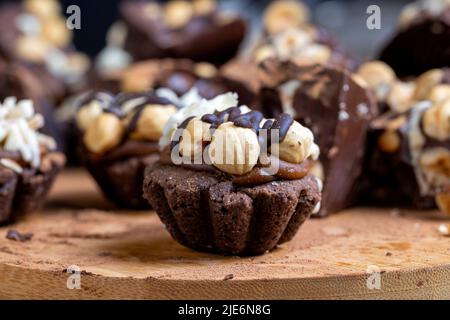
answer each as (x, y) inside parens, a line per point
(15, 235)
(228, 277)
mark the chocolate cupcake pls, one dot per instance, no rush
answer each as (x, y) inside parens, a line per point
(195, 30)
(422, 41)
(28, 162)
(34, 32)
(409, 144)
(119, 138)
(230, 181)
(338, 107)
(179, 75)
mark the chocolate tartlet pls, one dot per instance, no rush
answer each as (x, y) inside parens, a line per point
(225, 183)
(338, 108)
(28, 162)
(119, 138)
(179, 75)
(34, 32)
(409, 144)
(195, 30)
(423, 39)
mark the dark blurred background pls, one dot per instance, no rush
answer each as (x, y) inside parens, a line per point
(345, 18)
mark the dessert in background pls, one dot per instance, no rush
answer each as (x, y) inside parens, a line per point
(119, 137)
(18, 81)
(197, 30)
(288, 34)
(34, 33)
(178, 75)
(231, 202)
(337, 106)
(28, 161)
(409, 144)
(422, 41)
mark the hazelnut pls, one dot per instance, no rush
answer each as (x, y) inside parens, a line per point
(435, 165)
(152, 10)
(264, 53)
(400, 96)
(313, 54)
(32, 49)
(439, 93)
(43, 8)
(436, 121)
(234, 150)
(408, 14)
(296, 146)
(104, 134)
(426, 82)
(88, 114)
(389, 141)
(379, 77)
(178, 13)
(284, 14)
(290, 42)
(194, 135)
(204, 7)
(55, 31)
(151, 122)
(139, 77)
(205, 70)
(443, 202)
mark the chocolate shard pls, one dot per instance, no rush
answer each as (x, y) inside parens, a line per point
(205, 211)
(337, 107)
(422, 41)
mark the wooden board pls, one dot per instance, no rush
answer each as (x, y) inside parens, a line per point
(129, 255)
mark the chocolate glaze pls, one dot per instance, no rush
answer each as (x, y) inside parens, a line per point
(337, 109)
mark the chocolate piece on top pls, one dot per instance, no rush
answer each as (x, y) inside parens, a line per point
(422, 41)
(338, 108)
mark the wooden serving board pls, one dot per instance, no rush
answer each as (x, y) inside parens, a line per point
(129, 255)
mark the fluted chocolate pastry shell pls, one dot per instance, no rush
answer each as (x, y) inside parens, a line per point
(26, 192)
(121, 179)
(206, 212)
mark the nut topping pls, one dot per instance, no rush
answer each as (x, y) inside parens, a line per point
(151, 122)
(379, 76)
(284, 14)
(178, 13)
(234, 150)
(436, 121)
(104, 134)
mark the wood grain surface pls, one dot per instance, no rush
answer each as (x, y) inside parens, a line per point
(129, 255)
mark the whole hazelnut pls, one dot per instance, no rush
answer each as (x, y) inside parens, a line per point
(205, 70)
(55, 31)
(313, 54)
(263, 53)
(400, 97)
(87, 114)
(379, 77)
(436, 121)
(204, 7)
(439, 93)
(32, 49)
(426, 82)
(151, 122)
(178, 13)
(234, 150)
(290, 42)
(43, 8)
(435, 165)
(296, 145)
(284, 14)
(389, 141)
(104, 134)
(194, 136)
